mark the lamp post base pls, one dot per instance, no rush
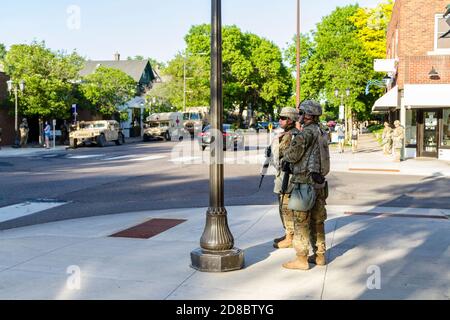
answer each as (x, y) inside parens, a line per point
(217, 261)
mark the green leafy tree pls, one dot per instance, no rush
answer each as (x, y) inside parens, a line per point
(107, 89)
(49, 77)
(306, 52)
(2, 51)
(253, 72)
(338, 57)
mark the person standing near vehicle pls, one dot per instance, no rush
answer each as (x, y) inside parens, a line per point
(47, 134)
(288, 118)
(304, 158)
(355, 137)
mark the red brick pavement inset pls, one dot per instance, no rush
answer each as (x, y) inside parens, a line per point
(148, 229)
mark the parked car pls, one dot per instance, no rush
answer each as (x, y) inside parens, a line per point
(231, 138)
(96, 132)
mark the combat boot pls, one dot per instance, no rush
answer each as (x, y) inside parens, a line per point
(275, 241)
(301, 263)
(317, 259)
(286, 243)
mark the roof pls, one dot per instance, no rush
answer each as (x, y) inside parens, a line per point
(134, 68)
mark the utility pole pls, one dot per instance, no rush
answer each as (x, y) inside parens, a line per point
(297, 100)
(184, 82)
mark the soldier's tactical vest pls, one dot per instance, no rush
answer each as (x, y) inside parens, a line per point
(310, 162)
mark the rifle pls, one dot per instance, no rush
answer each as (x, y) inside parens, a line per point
(266, 165)
(286, 168)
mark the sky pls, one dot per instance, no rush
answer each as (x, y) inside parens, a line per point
(151, 28)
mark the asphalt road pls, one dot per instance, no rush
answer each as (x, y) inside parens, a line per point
(149, 176)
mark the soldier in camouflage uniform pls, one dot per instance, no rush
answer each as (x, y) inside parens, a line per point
(288, 118)
(303, 155)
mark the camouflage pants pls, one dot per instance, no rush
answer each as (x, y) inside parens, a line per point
(287, 216)
(309, 227)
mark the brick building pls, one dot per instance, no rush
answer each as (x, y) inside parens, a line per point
(418, 64)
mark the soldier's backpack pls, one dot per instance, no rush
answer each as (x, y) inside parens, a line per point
(323, 140)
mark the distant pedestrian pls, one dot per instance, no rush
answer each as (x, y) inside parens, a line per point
(47, 133)
(387, 139)
(341, 137)
(24, 129)
(398, 137)
(355, 137)
(64, 133)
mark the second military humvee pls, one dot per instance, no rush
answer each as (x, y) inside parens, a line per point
(96, 132)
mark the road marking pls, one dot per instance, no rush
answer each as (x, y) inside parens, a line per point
(148, 158)
(85, 156)
(395, 215)
(119, 158)
(185, 159)
(374, 170)
(25, 209)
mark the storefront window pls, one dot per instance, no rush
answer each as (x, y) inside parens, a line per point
(446, 127)
(411, 128)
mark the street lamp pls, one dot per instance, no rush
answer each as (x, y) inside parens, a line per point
(343, 106)
(12, 86)
(216, 252)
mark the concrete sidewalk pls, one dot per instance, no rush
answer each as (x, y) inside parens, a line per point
(407, 248)
(370, 159)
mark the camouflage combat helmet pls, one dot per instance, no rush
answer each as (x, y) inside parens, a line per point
(290, 113)
(311, 108)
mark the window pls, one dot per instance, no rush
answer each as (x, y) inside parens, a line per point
(441, 28)
(446, 128)
(411, 128)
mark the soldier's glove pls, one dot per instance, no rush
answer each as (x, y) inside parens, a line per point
(268, 152)
(286, 167)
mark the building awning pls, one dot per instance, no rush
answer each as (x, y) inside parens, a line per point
(386, 102)
(427, 95)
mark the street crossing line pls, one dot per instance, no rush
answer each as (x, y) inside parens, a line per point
(119, 158)
(149, 158)
(89, 156)
(25, 209)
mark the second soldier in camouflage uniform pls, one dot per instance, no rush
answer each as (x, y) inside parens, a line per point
(303, 155)
(288, 118)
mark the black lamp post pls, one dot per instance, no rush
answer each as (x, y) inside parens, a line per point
(16, 87)
(216, 252)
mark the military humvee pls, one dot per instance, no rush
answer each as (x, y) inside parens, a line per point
(168, 125)
(96, 132)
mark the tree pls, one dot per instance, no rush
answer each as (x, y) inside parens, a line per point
(253, 72)
(2, 51)
(107, 89)
(339, 58)
(49, 78)
(290, 55)
(372, 25)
